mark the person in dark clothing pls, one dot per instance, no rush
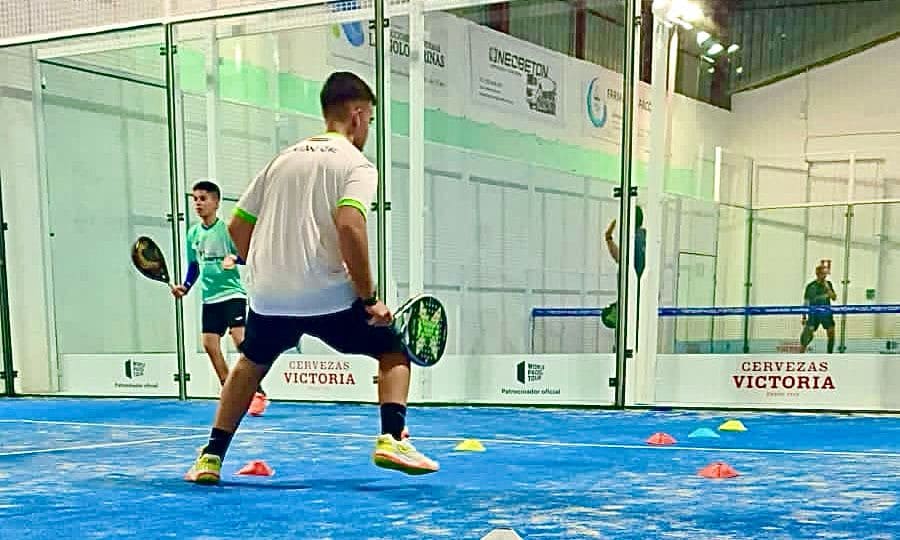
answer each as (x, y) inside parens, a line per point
(818, 294)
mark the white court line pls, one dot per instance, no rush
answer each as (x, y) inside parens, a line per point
(841, 453)
(521, 442)
(100, 445)
(100, 424)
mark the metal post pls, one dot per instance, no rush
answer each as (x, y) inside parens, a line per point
(9, 374)
(662, 89)
(632, 25)
(174, 197)
(846, 281)
(380, 139)
(748, 279)
(416, 147)
(748, 264)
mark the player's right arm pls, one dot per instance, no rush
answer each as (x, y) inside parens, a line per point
(807, 297)
(350, 222)
(193, 269)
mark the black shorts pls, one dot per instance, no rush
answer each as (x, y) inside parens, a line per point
(221, 316)
(826, 320)
(347, 331)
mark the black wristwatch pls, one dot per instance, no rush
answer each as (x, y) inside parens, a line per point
(370, 301)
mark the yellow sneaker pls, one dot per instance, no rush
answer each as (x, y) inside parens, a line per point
(206, 470)
(401, 456)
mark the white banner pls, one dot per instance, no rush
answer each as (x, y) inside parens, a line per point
(353, 44)
(119, 374)
(858, 381)
(516, 76)
(581, 379)
(603, 106)
(322, 378)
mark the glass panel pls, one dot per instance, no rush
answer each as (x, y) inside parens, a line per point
(696, 288)
(29, 303)
(106, 157)
(250, 89)
(779, 276)
(869, 259)
(887, 288)
(508, 176)
(780, 159)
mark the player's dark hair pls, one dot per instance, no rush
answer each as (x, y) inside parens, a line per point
(343, 87)
(209, 187)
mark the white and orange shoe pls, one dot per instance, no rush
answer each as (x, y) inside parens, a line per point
(401, 456)
(258, 405)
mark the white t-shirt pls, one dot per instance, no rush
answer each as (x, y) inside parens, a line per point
(294, 265)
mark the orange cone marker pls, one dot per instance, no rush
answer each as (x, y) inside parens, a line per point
(661, 439)
(257, 467)
(718, 470)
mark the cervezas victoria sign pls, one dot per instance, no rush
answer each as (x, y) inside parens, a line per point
(319, 372)
(784, 375)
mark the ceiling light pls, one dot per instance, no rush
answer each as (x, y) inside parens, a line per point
(733, 48)
(715, 49)
(702, 37)
(740, 70)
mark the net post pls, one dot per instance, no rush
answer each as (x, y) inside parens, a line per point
(174, 196)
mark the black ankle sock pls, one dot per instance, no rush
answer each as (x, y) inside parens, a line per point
(219, 440)
(393, 419)
(260, 390)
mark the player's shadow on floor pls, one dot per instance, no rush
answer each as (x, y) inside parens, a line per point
(364, 485)
(368, 485)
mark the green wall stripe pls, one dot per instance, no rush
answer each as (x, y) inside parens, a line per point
(251, 85)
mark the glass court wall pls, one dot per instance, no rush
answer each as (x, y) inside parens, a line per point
(119, 127)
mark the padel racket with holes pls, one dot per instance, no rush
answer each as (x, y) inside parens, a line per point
(149, 260)
(421, 324)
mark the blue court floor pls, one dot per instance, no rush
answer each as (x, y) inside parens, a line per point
(96, 469)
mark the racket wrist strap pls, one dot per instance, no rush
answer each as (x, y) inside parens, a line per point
(371, 300)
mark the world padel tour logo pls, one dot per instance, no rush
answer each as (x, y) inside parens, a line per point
(530, 375)
(134, 369)
(135, 376)
(597, 109)
(529, 372)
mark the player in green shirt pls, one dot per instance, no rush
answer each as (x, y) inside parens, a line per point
(819, 293)
(212, 257)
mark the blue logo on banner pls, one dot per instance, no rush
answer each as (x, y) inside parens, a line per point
(596, 104)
